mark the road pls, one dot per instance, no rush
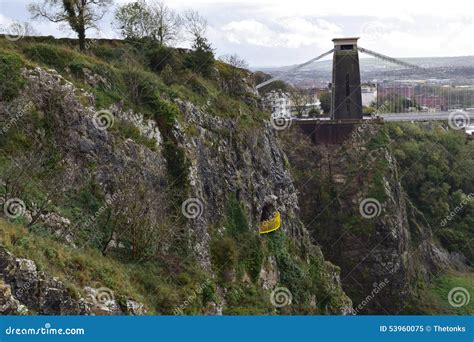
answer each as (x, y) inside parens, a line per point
(417, 116)
(421, 116)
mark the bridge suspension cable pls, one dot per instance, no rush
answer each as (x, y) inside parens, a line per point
(295, 68)
(388, 59)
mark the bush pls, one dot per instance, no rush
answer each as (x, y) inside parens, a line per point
(237, 223)
(160, 57)
(224, 253)
(52, 56)
(142, 86)
(201, 59)
(10, 76)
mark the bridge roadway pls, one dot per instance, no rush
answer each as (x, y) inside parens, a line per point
(394, 117)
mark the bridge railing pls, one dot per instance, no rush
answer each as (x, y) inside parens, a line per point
(271, 225)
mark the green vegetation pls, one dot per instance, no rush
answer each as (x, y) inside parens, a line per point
(239, 253)
(148, 79)
(434, 298)
(304, 279)
(159, 289)
(436, 168)
(10, 75)
(240, 248)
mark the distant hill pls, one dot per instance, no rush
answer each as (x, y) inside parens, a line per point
(459, 70)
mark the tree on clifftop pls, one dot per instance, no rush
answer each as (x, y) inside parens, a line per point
(80, 15)
(156, 22)
(201, 60)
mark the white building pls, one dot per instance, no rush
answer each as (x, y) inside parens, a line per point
(369, 94)
(279, 103)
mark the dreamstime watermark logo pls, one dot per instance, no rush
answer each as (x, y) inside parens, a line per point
(456, 210)
(16, 117)
(377, 287)
(459, 119)
(281, 297)
(373, 30)
(458, 296)
(103, 119)
(101, 296)
(357, 133)
(191, 298)
(108, 202)
(46, 330)
(375, 154)
(192, 208)
(24, 288)
(280, 123)
(14, 208)
(370, 208)
(15, 32)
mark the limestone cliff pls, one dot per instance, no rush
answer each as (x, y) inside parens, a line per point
(354, 206)
(233, 175)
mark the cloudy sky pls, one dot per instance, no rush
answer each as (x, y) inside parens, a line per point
(275, 33)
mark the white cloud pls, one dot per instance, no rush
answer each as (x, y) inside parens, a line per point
(281, 32)
(290, 32)
(448, 38)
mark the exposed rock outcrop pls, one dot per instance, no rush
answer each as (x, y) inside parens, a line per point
(354, 207)
(225, 160)
(25, 290)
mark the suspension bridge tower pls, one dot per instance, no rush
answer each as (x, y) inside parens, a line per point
(346, 99)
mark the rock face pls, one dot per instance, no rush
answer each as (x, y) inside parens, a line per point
(224, 161)
(354, 207)
(25, 290)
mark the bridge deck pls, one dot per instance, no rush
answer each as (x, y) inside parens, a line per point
(387, 117)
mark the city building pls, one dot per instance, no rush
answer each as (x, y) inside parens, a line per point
(369, 94)
(432, 101)
(279, 103)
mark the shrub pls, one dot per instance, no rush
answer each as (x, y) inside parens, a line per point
(160, 57)
(201, 59)
(224, 253)
(52, 56)
(10, 76)
(142, 86)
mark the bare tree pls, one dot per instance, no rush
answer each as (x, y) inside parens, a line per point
(195, 25)
(138, 218)
(19, 29)
(156, 21)
(80, 15)
(235, 60)
(168, 23)
(299, 99)
(232, 78)
(134, 20)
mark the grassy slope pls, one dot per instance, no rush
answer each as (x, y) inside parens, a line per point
(159, 285)
(156, 284)
(433, 299)
(161, 289)
(158, 289)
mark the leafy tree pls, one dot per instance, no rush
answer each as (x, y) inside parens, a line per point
(157, 22)
(299, 99)
(202, 58)
(134, 21)
(80, 15)
(314, 112)
(325, 99)
(232, 74)
(436, 165)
